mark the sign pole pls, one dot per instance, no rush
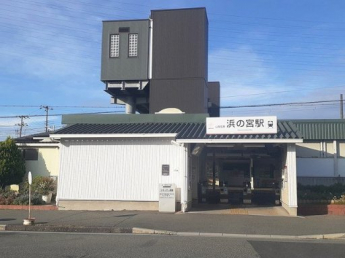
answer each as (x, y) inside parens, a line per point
(30, 182)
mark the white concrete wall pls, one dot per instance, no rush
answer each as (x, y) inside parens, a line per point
(321, 159)
(47, 163)
(118, 169)
(316, 167)
(341, 167)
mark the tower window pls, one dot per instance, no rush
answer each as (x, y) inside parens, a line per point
(115, 45)
(133, 45)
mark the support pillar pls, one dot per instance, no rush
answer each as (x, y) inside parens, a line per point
(290, 181)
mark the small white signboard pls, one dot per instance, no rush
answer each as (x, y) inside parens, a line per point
(167, 198)
(241, 125)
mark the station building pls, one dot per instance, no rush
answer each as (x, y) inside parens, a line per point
(172, 133)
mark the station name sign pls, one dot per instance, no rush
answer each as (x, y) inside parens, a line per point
(241, 125)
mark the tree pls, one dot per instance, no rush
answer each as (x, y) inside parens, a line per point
(12, 164)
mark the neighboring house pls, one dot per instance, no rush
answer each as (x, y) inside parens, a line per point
(41, 154)
(321, 156)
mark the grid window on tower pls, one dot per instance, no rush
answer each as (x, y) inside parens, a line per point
(115, 45)
(133, 45)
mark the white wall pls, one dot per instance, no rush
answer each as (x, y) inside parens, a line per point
(321, 159)
(322, 167)
(341, 167)
(115, 169)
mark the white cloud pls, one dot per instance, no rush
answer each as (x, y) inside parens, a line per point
(247, 80)
(244, 77)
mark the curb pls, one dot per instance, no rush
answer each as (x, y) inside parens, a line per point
(147, 231)
(323, 236)
(205, 234)
(66, 228)
(152, 231)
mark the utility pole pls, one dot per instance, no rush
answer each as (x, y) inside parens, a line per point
(341, 107)
(22, 124)
(46, 108)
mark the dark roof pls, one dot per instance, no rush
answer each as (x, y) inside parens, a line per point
(321, 129)
(132, 118)
(33, 138)
(286, 130)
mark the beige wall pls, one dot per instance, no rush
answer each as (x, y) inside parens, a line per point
(308, 150)
(47, 163)
(322, 149)
(341, 149)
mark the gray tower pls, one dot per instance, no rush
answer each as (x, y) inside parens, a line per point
(159, 63)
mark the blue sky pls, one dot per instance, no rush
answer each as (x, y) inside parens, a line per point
(262, 52)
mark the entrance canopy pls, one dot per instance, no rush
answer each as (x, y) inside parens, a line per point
(286, 133)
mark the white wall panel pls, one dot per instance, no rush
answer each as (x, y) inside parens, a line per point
(323, 167)
(341, 167)
(128, 169)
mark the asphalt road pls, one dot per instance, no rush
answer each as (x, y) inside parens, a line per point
(21, 244)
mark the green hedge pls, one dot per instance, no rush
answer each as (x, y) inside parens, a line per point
(334, 193)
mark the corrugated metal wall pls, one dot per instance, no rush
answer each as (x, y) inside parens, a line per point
(128, 169)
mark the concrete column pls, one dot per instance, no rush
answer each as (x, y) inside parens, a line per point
(184, 187)
(335, 159)
(130, 105)
(292, 179)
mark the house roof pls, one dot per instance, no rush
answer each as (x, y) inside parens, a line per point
(183, 131)
(31, 138)
(321, 129)
(41, 138)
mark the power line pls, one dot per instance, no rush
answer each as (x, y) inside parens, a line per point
(53, 106)
(106, 112)
(281, 104)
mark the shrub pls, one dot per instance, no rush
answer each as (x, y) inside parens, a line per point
(43, 185)
(23, 199)
(12, 164)
(7, 197)
(334, 193)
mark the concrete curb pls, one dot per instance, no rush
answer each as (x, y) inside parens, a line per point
(67, 228)
(152, 231)
(256, 236)
(147, 231)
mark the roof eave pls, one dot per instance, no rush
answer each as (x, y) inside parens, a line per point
(132, 135)
(239, 140)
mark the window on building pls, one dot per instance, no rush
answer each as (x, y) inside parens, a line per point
(31, 154)
(115, 45)
(133, 45)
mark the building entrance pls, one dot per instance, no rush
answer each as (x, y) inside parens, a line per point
(240, 174)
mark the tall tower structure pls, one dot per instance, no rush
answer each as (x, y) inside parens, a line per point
(159, 63)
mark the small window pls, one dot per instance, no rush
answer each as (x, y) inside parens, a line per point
(115, 45)
(124, 29)
(133, 45)
(31, 154)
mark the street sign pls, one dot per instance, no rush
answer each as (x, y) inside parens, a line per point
(30, 178)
